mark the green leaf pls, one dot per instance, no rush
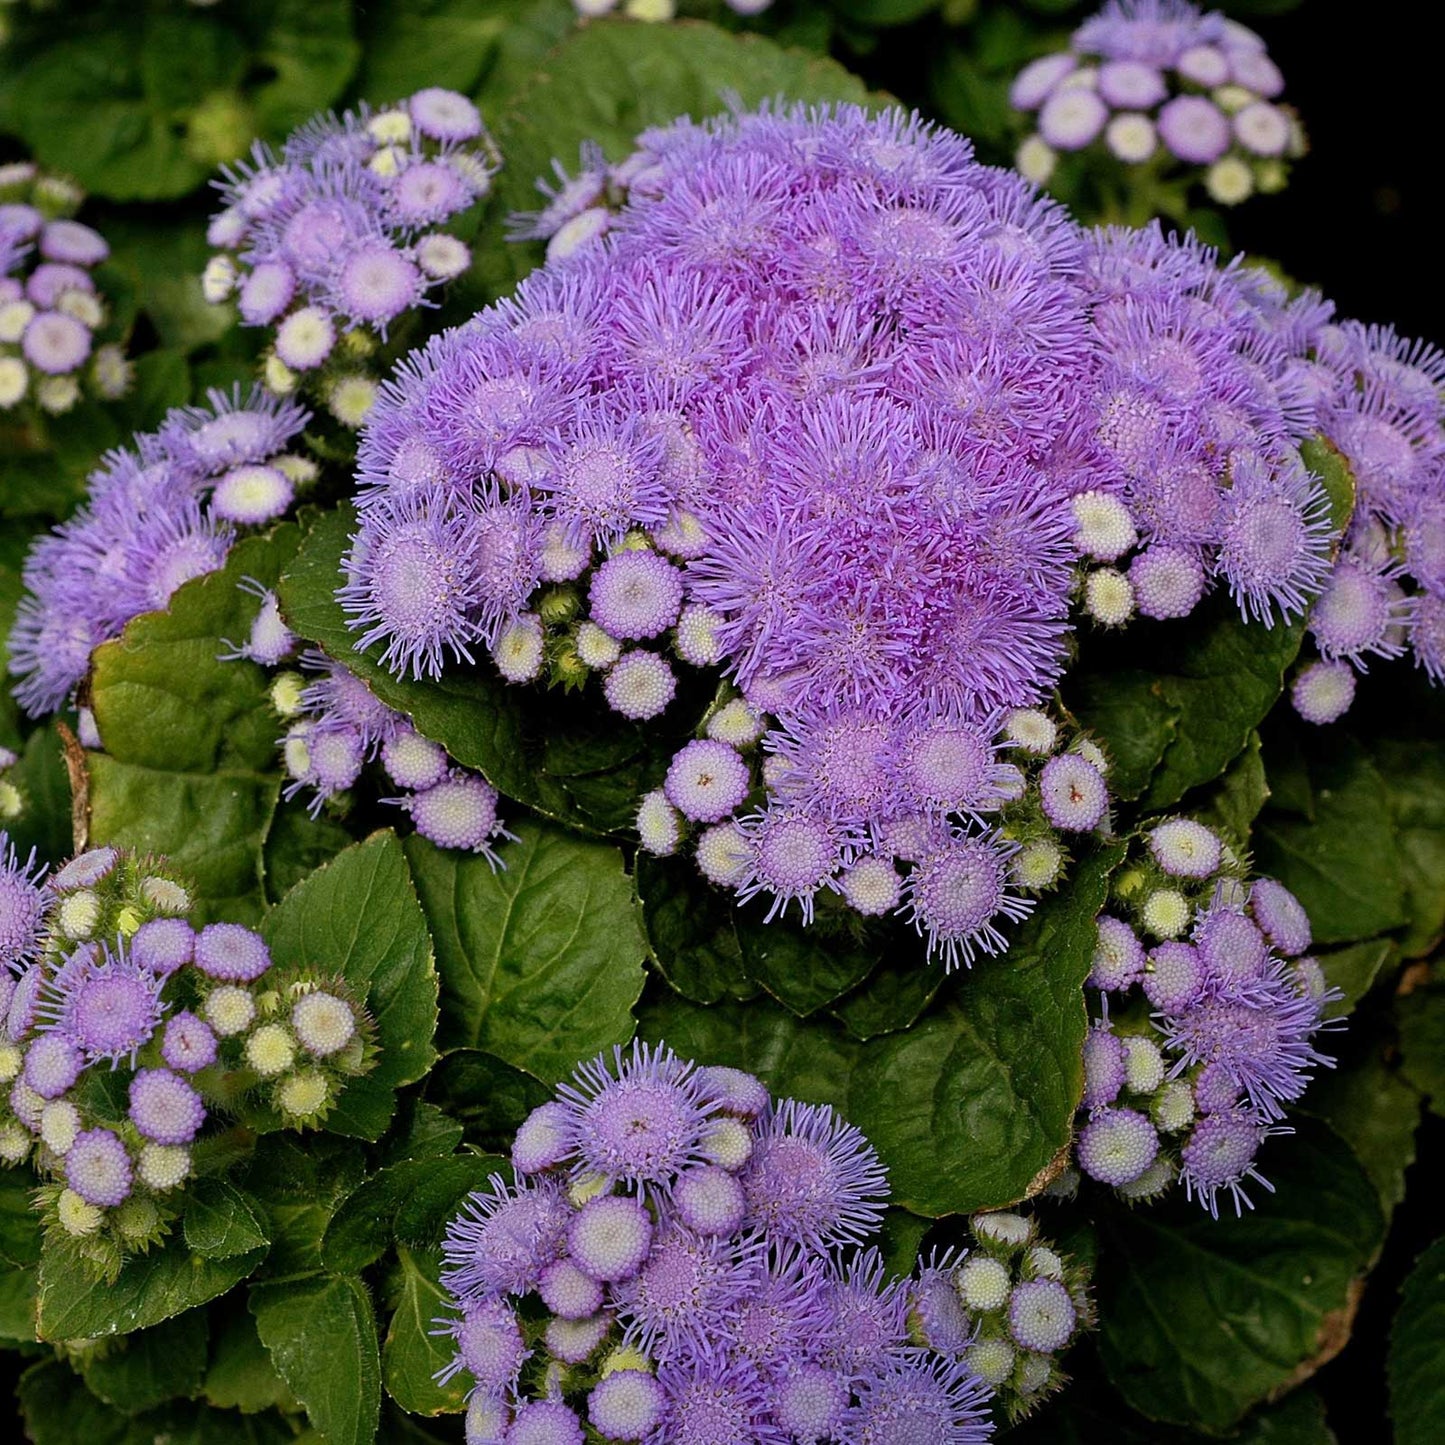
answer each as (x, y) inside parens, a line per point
(1328, 463)
(1298, 1419)
(422, 1217)
(970, 1106)
(161, 267)
(108, 105)
(1421, 1018)
(804, 968)
(296, 845)
(241, 1375)
(1413, 770)
(1203, 1318)
(413, 1354)
(358, 916)
(169, 1280)
(691, 931)
(18, 1287)
(890, 1000)
(1343, 862)
(149, 1367)
(1174, 702)
(360, 1231)
(414, 43)
(1417, 1338)
(190, 766)
(310, 52)
(321, 1335)
(19, 1222)
(1353, 970)
(301, 1182)
(220, 1222)
(488, 1095)
(423, 1131)
(541, 959)
(59, 1410)
(1235, 802)
(1376, 1113)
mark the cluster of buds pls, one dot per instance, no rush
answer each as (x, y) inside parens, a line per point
(336, 727)
(1162, 87)
(156, 515)
(12, 800)
(652, 12)
(1378, 400)
(51, 311)
(337, 237)
(125, 1030)
(1207, 1014)
(1007, 799)
(683, 1259)
(1026, 1303)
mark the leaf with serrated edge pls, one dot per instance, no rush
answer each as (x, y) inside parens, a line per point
(1202, 1319)
(413, 1354)
(321, 1335)
(152, 1287)
(541, 959)
(358, 916)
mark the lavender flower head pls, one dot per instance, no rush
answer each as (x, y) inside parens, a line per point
(1376, 397)
(53, 315)
(778, 419)
(111, 978)
(149, 525)
(337, 726)
(1188, 1081)
(22, 906)
(1150, 80)
(333, 239)
(712, 1292)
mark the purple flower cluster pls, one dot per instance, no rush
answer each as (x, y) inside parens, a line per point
(337, 725)
(102, 970)
(333, 239)
(1015, 1301)
(1207, 1026)
(50, 307)
(682, 1260)
(1160, 83)
(1203, 396)
(814, 400)
(1378, 400)
(157, 515)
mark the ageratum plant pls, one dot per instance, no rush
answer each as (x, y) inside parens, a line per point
(663, 776)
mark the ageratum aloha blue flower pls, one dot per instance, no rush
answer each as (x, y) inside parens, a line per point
(1377, 398)
(333, 239)
(93, 982)
(157, 515)
(839, 412)
(1159, 81)
(1191, 1085)
(701, 1249)
(51, 309)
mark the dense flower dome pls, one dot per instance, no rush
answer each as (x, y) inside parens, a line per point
(832, 408)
